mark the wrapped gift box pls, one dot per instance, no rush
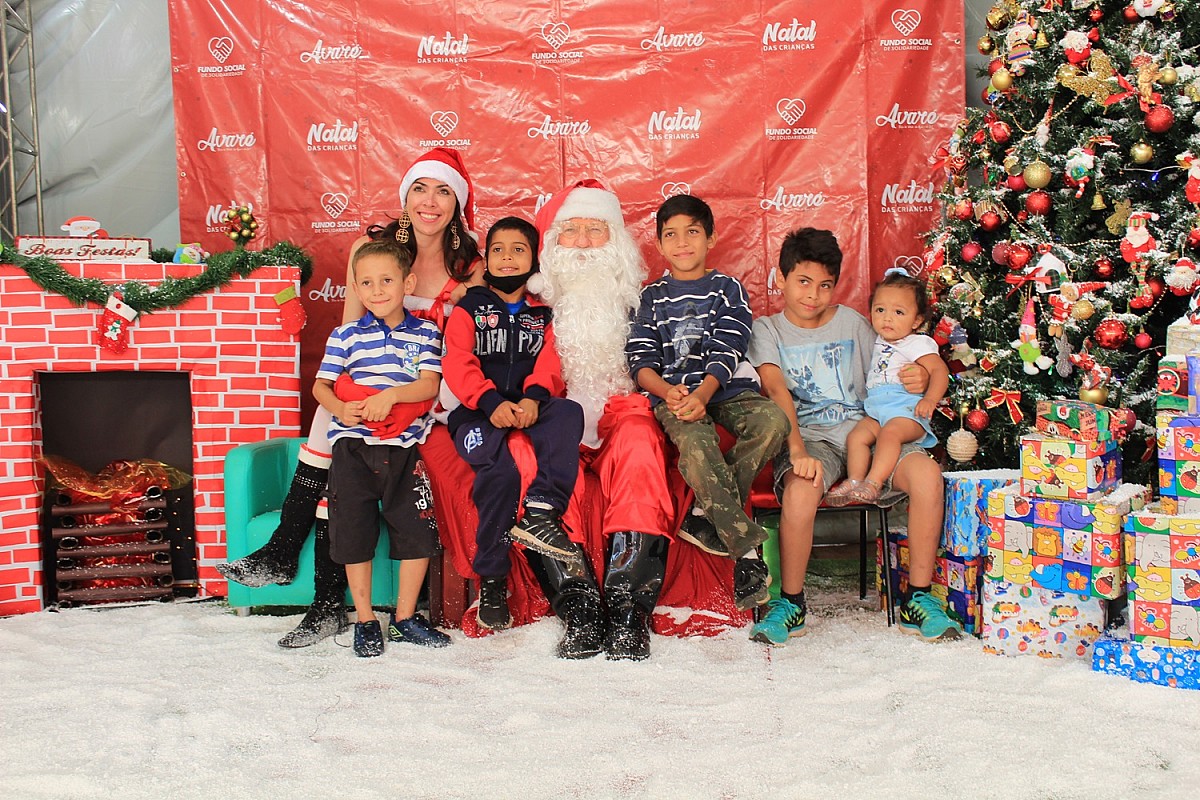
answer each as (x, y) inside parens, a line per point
(1061, 545)
(1182, 337)
(1172, 384)
(1083, 422)
(1026, 620)
(1178, 437)
(955, 579)
(966, 525)
(1163, 553)
(1147, 663)
(1062, 469)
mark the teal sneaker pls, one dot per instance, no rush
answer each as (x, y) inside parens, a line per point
(783, 620)
(924, 615)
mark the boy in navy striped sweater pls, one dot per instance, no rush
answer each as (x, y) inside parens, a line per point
(378, 377)
(687, 351)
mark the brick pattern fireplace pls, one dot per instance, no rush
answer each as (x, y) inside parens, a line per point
(245, 387)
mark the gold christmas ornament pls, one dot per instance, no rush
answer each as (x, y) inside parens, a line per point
(1167, 76)
(1192, 92)
(964, 408)
(1098, 203)
(962, 445)
(1066, 71)
(1041, 42)
(1037, 175)
(1083, 310)
(1002, 79)
(1012, 164)
(986, 45)
(1099, 395)
(997, 17)
(1141, 153)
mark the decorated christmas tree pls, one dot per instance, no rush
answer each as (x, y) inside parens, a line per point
(1070, 219)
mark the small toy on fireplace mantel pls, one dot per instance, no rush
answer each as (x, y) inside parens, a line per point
(84, 240)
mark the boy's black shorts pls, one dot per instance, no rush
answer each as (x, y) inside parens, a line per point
(367, 478)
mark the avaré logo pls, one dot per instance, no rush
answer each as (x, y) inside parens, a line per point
(906, 119)
(341, 52)
(444, 122)
(787, 201)
(226, 141)
(679, 125)
(791, 109)
(443, 48)
(334, 203)
(789, 36)
(551, 128)
(336, 136)
(662, 40)
(673, 188)
(906, 20)
(221, 47)
(556, 34)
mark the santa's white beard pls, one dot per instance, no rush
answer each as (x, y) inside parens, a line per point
(593, 292)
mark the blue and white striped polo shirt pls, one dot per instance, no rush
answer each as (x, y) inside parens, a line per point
(374, 355)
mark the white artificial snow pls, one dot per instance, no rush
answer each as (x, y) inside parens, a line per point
(190, 701)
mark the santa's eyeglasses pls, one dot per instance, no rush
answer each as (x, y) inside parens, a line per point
(594, 231)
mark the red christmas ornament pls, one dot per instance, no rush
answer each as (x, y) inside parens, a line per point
(1000, 252)
(1104, 267)
(1111, 333)
(1094, 35)
(964, 209)
(995, 64)
(1001, 132)
(1096, 14)
(1157, 286)
(990, 221)
(112, 328)
(1016, 182)
(1143, 340)
(1159, 119)
(1142, 300)
(1038, 203)
(1193, 238)
(291, 314)
(971, 251)
(1018, 256)
(1130, 14)
(978, 420)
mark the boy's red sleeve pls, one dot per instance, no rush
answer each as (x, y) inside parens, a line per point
(460, 365)
(546, 380)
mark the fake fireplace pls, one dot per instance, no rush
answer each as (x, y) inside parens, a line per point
(216, 372)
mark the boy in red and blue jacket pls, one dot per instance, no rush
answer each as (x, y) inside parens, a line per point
(500, 363)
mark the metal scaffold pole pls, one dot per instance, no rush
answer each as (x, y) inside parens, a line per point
(20, 165)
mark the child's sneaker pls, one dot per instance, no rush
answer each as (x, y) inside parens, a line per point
(540, 529)
(416, 630)
(697, 530)
(368, 639)
(751, 583)
(925, 616)
(493, 614)
(783, 620)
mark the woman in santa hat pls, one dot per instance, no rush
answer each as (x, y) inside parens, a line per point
(436, 226)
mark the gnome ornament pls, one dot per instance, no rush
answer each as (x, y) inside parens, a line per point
(112, 329)
(1137, 236)
(1027, 345)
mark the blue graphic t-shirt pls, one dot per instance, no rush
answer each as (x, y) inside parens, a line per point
(825, 369)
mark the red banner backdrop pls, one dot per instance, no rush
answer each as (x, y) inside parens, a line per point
(779, 114)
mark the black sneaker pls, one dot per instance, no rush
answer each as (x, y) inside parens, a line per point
(751, 583)
(493, 614)
(416, 630)
(368, 639)
(703, 534)
(584, 634)
(540, 529)
(319, 623)
(257, 570)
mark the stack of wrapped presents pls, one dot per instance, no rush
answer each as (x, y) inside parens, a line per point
(1054, 556)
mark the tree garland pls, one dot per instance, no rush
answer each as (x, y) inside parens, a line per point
(219, 270)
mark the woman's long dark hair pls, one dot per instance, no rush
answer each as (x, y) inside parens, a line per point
(458, 261)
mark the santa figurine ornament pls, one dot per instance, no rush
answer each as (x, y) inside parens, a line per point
(112, 330)
(1137, 236)
(1191, 189)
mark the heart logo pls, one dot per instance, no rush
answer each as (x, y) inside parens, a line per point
(556, 33)
(906, 20)
(791, 109)
(220, 47)
(672, 189)
(444, 122)
(913, 265)
(334, 203)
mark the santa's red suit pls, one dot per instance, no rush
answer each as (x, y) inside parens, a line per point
(629, 499)
(1137, 236)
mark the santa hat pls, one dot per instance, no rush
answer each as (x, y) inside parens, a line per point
(445, 165)
(587, 199)
(1139, 218)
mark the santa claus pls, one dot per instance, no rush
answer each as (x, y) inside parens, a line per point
(1137, 236)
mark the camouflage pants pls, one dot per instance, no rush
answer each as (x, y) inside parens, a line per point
(722, 481)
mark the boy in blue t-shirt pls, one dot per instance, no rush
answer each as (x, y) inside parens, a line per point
(687, 351)
(378, 377)
(813, 358)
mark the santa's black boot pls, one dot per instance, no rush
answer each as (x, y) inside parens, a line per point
(277, 560)
(327, 614)
(575, 598)
(636, 565)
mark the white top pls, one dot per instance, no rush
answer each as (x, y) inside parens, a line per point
(888, 358)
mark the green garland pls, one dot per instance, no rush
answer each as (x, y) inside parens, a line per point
(219, 270)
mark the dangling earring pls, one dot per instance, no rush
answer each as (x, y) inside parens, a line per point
(454, 240)
(402, 230)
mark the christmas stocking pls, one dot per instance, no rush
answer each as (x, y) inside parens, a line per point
(291, 312)
(112, 331)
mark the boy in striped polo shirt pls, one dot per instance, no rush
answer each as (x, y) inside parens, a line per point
(379, 376)
(687, 351)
